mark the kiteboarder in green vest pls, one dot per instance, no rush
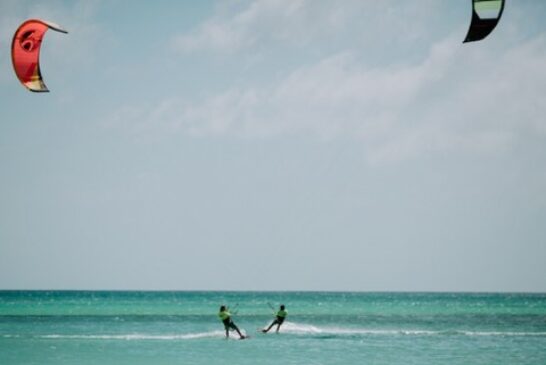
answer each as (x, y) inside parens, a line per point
(225, 317)
(280, 316)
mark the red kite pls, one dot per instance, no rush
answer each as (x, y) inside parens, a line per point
(25, 52)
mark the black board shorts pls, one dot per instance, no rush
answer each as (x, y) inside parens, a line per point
(228, 323)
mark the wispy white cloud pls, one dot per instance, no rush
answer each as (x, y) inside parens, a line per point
(261, 20)
(262, 23)
(456, 98)
(445, 96)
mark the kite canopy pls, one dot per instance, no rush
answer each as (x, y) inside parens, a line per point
(485, 16)
(25, 52)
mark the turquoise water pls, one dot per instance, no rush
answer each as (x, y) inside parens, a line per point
(73, 327)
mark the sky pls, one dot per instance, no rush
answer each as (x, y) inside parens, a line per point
(275, 145)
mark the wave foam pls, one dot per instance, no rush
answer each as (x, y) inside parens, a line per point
(297, 329)
(138, 336)
(307, 329)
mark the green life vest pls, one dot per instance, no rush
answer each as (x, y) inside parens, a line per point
(224, 315)
(282, 313)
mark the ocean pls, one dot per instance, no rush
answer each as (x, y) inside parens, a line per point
(147, 327)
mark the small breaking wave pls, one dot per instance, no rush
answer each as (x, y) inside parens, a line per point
(290, 328)
(307, 329)
(126, 337)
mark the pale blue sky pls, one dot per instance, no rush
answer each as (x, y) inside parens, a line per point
(275, 145)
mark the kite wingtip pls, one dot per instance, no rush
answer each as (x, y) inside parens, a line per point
(55, 26)
(39, 90)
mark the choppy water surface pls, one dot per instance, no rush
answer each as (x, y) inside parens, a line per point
(40, 327)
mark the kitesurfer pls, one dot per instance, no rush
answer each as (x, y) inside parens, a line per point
(280, 316)
(225, 317)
